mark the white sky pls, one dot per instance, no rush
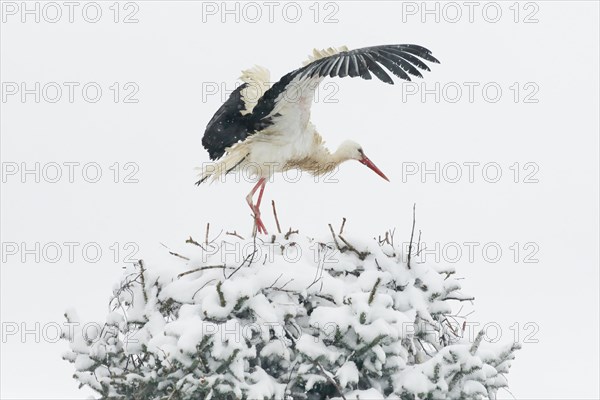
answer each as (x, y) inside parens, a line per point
(174, 51)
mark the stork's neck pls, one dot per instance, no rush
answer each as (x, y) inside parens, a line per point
(339, 156)
(328, 161)
(318, 159)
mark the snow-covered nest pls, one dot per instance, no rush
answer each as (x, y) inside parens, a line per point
(287, 317)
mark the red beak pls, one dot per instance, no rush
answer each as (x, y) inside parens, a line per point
(365, 160)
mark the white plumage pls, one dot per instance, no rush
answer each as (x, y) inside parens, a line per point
(266, 129)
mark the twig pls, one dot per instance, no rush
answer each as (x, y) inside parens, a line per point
(143, 279)
(221, 296)
(459, 298)
(254, 226)
(242, 264)
(175, 254)
(207, 229)
(314, 281)
(273, 284)
(202, 287)
(178, 255)
(320, 265)
(372, 295)
(334, 238)
(248, 257)
(201, 269)
(343, 223)
(234, 233)
(289, 233)
(192, 241)
(330, 379)
(412, 232)
(378, 266)
(326, 297)
(361, 254)
(285, 284)
(275, 214)
(281, 288)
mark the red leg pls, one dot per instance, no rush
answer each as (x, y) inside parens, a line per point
(260, 194)
(259, 224)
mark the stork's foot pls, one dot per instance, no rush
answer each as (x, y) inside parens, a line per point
(260, 226)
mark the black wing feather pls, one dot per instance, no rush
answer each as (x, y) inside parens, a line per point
(352, 66)
(377, 70)
(362, 66)
(228, 126)
(344, 68)
(417, 51)
(400, 58)
(414, 60)
(391, 64)
(335, 70)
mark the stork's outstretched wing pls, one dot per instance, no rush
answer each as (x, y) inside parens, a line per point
(299, 85)
(246, 112)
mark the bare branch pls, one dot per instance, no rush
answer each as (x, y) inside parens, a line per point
(314, 281)
(459, 298)
(372, 295)
(174, 254)
(412, 233)
(234, 233)
(343, 223)
(249, 258)
(143, 279)
(192, 241)
(289, 233)
(334, 238)
(202, 269)
(207, 230)
(221, 296)
(273, 284)
(361, 254)
(276, 218)
(202, 287)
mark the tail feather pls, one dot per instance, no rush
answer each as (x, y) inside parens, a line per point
(217, 171)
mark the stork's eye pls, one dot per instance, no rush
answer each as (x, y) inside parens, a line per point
(361, 152)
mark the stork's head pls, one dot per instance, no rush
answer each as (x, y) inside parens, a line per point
(350, 150)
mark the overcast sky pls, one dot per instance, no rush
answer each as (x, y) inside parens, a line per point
(106, 105)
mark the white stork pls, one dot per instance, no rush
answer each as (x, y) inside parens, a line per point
(273, 133)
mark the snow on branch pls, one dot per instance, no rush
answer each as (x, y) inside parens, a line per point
(288, 316)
